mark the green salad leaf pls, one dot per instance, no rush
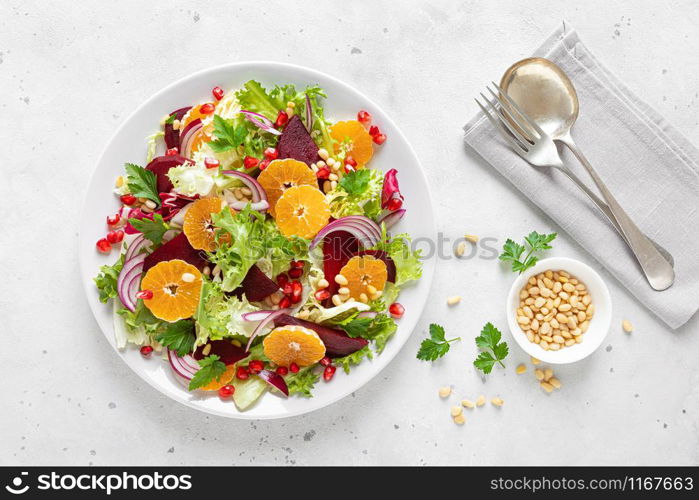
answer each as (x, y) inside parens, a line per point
(229, 135)
(302, 382)
(151, 229)
(408, 264)
(358, 193)
(141, 319)
(210, 369)
(357, 327)
(142, 183)
(106, 280)
(353, 359)
(178, 336)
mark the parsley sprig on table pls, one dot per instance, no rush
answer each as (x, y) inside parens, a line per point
(436, 346)
(493, 352)
(211, 368)
(512, 252)
(142, 183)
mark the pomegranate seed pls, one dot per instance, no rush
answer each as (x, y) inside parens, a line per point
(104, 246)
(264, 163)
(242, 373)
(329, 372)
(281, 120)
(295, 299)
(287, 288)
(373, 130)
(282, 280)
(207, 109)
(284, 303)
(171, 152)
(271, 153)
(379, 139)
(211, 162)
(325, 361)
(294, 368)
(146, 351)
(296, 287)
(322, 295)
(349, 168)
(297, 264)
(115, 236)
(128, 199)
(217, 93)
(144, 295)
(394, 204)
(323, 173)
(256, 366)
(396, 309)
(295, 273)
(226, 391)
(250, 162)
(364, 117)
(282, 370)
(349, 160)
(113, 220)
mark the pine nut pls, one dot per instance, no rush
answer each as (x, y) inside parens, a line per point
(480, 401)
(206, 350)
(460, 249)
(363, 298)
(539, 374)
(568, 287)
(337, 300)
(497, 402)
(456, 411)
(444, 392)
(323, 153)
(521, 368)
(522, 320)
(539, 302)
(523, 294)
(546, 386)
(548, 373)
(545, 328)
(341, 280)
(558, 339)
(544, 345)
(535, 361)
(530, 336)
(343, 290)
(569, 342)
(565, 307)
(119, 181)
(323, 283)
(302, 314)
(471, 237)
(459, 420)
(188, 277)
(534, 290)
(535, 324)
(333, 177)
(455, 299)
(555, 382)
(627, 326)
(467, 403)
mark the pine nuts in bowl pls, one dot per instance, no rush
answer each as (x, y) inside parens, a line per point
(559, 311)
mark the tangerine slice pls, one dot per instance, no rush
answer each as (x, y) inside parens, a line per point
(198, 226)
(176, 287)
(293, 344)
(191, 115)
(281, 175)
(353, 139)
(362, 272)
(224, 379)
(302, 211)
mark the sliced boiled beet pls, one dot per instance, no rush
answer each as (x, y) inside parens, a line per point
(177, 248)
(160, 165)
(227, 352)
(295, 142)
(337, 342)
(172, 136)
(338, 248)
(381, 255)
(257, 286)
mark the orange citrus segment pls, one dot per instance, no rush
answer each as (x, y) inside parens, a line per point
(354, 140)
(363, 272)
(198, 226)
(224, 379)
(191, 115)
(293, 344)
(176, 287)
(281, 175)
(302, 211)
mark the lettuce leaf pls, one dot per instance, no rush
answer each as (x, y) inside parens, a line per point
(408, 265)
(219, 315)
(302, 382)
(359, 193)
(106, 280)
(353, 359)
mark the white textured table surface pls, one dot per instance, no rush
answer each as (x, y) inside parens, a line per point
(69, 75)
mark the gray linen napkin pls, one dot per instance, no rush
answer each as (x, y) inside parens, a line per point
(651, 168)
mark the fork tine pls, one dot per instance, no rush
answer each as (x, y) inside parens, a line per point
(523, 135)
(497, 123)
(512, 103)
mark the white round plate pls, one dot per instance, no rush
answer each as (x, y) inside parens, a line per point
(599, 324)
(129, 145)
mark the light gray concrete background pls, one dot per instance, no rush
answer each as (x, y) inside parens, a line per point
(70, 72)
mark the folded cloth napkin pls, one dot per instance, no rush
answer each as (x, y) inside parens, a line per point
(651, 168)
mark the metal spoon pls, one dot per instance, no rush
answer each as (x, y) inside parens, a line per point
(546, 94)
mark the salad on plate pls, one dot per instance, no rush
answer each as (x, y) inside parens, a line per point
(253, 248)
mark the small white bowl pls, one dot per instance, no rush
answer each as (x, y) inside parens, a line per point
(599, 324)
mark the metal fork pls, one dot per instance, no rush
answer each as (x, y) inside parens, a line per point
(529, 141)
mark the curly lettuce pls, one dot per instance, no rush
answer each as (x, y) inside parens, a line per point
(358, 193)
(106, 280)
(220, 315)
(408, 264)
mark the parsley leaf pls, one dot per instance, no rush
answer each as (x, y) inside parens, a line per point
(228, 134)
(494, 351)
(178, 336)
(511, 251)
(436, 346)
(142, 183)
(171, 119)
(357, 327)
(356, 182)
(151, 229)
(210, 369)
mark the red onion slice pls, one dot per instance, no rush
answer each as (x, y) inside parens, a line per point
(392, 218)
(256, 315)
(130, 273)
(270, 317)
(260, 121)
(184, 366)
(309, 114)
(275, 380)
(258, 192)
(135, 247)
(363, 228)
(187, 134)
(367, 314)
(259, 206)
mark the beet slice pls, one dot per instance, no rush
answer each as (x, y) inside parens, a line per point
(338, 248)
(337, 342)
(160, 165)
(172, 136)
(177, 248)
(256, 285)
(295, 142)
(227, 352)
(381, 255)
